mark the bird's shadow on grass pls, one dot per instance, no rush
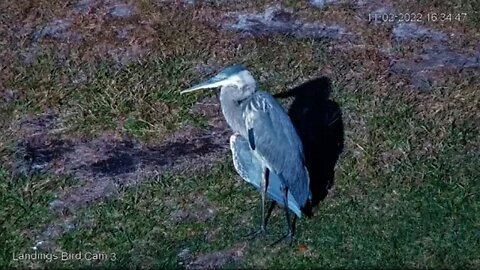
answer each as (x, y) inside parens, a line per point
(318, 121)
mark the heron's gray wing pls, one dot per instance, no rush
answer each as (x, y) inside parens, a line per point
(275, 142)
(250, 169)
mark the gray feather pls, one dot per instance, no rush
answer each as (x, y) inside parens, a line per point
(277, 143)
(250, 169)
(251, 139)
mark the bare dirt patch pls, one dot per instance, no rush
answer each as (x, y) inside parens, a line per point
(279, 20)
(197, 209)
(111, 160)
(213, 260)
(423, 68)
(103, 164)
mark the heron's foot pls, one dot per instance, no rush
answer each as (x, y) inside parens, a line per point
(261, 231)
(288, 236)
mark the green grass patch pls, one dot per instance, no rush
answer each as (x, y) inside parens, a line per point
(24, 212)
(142, 98)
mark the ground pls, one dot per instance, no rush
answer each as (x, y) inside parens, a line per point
(103, 159)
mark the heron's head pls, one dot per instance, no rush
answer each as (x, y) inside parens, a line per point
(236, 80)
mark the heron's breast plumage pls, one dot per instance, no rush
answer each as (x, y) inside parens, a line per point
(233, 112)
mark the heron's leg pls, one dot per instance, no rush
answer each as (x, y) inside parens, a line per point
(290, 225)
(267, 217)
(264, 194)
(264, 187)
(269, 212)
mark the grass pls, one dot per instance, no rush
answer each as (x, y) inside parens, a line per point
(419, 211)
(141, 98)
(406, 186)
(24, 211)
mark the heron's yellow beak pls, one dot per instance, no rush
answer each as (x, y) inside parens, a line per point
(214, 82)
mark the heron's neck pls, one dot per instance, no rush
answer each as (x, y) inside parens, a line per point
(232, 108)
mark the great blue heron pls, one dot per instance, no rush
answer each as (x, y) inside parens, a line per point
(266, 149)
